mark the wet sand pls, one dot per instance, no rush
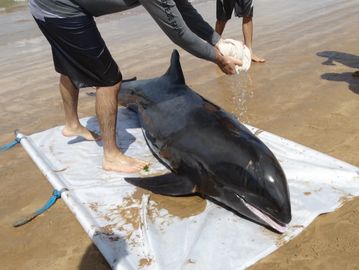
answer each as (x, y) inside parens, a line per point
(305, 92)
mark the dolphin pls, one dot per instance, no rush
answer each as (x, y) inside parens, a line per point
(208, 151)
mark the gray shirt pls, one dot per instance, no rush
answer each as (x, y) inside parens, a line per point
(177, 18)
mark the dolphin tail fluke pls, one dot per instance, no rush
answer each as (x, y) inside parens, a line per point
(167, 184)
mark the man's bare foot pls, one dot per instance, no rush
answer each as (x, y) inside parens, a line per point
(257, 59)
(82, 132)
(122, 163)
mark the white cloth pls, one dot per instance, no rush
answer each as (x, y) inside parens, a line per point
(236, 49)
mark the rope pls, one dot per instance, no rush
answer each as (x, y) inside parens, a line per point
(10, 145)
(55, 195)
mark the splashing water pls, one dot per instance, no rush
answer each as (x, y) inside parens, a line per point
(242, 89)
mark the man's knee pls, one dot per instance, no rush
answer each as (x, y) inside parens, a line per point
(67, 82)
(247, 19)
(115, 87)
(222, 21)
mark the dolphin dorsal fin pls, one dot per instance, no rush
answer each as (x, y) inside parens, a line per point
(175, 70)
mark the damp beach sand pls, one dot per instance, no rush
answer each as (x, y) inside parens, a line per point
(305, 92)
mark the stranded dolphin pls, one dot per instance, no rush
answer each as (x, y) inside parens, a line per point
(207, 150)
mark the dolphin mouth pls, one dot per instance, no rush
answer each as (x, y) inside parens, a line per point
(265, 217)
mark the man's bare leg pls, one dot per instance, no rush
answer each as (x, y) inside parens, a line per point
(247, 27)
(219, 28)
(70, 96)
(106, 111)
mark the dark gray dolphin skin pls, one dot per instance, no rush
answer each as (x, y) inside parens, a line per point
(208, 151)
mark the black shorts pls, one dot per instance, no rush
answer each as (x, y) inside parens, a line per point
(242, 8)
(79, 51)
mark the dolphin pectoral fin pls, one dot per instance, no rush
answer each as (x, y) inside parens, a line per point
(167, 184)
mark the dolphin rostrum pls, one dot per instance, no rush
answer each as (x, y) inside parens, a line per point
(207, 150)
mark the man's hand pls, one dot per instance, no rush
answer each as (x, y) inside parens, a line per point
(226, 63)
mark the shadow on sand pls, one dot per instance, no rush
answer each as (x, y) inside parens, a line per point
(347, 59)
(93, 260)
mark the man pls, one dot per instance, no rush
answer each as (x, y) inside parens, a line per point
(242, 8)
(81, 57)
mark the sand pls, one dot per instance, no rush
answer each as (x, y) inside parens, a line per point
(305, 92)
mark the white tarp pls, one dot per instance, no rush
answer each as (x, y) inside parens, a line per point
(133, 232)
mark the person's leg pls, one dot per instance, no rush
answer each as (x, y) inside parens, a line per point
(77, 40)
(247, 27)
(220, 25)
(106, 111)
(224, 9)
(73, 127)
